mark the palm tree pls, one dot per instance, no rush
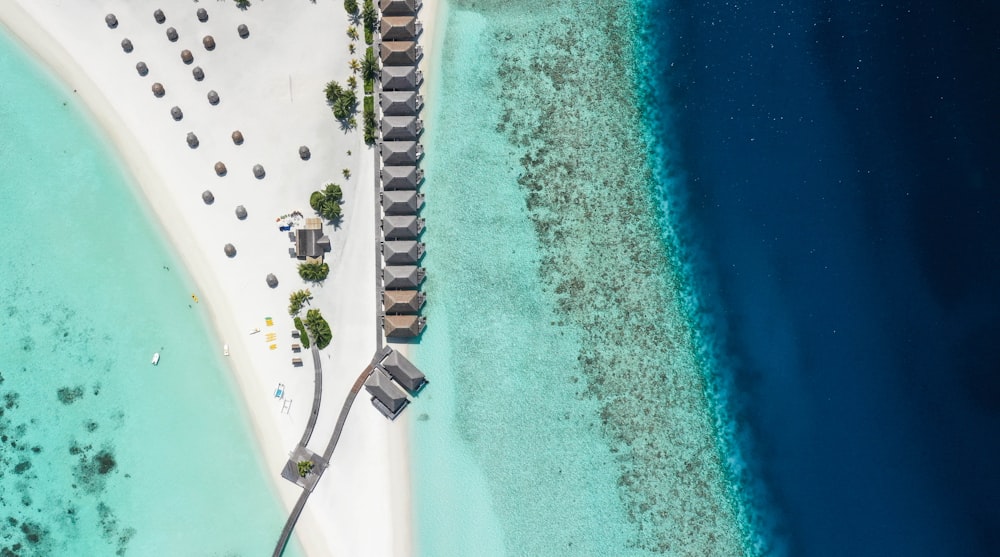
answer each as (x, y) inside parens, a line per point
(352, 33)
(369, 66)
(314, 272)
(355, 65)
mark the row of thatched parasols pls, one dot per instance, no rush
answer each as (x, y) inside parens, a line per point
(112, 21)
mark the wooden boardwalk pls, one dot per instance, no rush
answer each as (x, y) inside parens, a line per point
(317, 398)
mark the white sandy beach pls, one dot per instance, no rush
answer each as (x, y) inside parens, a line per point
(271, 89)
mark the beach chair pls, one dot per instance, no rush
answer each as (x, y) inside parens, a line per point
(269, 322)
(286, 405)
(279, 391)
(273, 347)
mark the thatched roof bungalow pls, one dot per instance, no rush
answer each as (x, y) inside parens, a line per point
(402, 252)
(386, 396)
(399, 7)
(401, 202)
(401, 127)
(400, 152)
(402, 302)
(400, 28)
(400, 103)
(400, 53)
(402, 227)
(401, 177)
(402, 277)
(403, 371)
(403, 326)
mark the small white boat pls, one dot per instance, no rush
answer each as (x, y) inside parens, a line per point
(225, 349)
(156, 358)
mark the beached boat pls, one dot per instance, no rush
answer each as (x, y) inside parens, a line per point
(156, 358)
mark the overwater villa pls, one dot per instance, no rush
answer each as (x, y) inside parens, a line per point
(400, 103)
(401, 78)
(386, 395)
(402, 252)
(403, 326)
(399, 7)
(401, 202)
(402, 227)
(403, 372)
(401, 177)
(401, 127)
(402, 277)
(400, 28)
(403, 302)
(400, 152)
(400, 53)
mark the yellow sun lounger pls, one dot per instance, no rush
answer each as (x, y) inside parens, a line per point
(270, 323)
(273, 347)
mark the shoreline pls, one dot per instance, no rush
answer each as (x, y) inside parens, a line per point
(363, 461)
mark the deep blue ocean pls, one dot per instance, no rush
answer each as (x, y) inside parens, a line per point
(839, 161)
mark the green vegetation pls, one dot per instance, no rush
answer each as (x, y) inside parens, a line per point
(242, 4)
(314, 272)
(351, 7)
(369, 66)
(370, 122)
(305, 466)
(343, 101)
(318, 328)
(352, 33)
(352, 82)
(327, 202)
(298, 299)
(302, 332)
(370, 17)
(347, 173)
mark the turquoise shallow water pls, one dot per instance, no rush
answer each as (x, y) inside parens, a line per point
(572, 410)
(101, 452)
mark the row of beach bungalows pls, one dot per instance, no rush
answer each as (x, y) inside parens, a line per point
(400, 150)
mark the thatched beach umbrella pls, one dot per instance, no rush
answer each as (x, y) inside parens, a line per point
(159, 17)
(111, 20)
(186, 56)
(207, 197)
(258, 171)
(158, 90)
(192, 140)
(213, 97)
(241, 212)
(243, 31)
(202, 15)
(208, 42)
(304, 153)
(198, 73)
(172, 34)
(126, 45)
(230, 250)
(220, 168)
(142, 68)
(238, 137)
(272, 280)
(176, 113)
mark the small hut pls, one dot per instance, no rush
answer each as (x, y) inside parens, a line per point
(111, 20)
(142, 68)
(126, 45)
(238, 137)
(304, 153)
(198, 73)
(241, 212)
(258, 171)
(172, 34)
(230, 250)
(208, 42)
(192, 140)
(243, 31)
(202, 15)
(272, 280)
(186, 56)
(176, 113)
(220, 168)
(158, 90)
(159, 17)
(213, 97)
(207, 197)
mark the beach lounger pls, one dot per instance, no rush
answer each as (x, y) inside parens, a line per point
(279, 391)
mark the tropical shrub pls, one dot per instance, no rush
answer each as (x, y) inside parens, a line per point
(345, 104)
(242, 4)
(305, 466)
(318, 328)
(298, 299)
(333, 91)
(314, 272)
(370, 17)
(369, 65)
(351, 7)
(303, 336)
(370, 121)
(327, 202)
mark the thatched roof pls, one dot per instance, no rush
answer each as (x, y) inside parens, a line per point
(258, 171)
(192, 140)
(241, 212)
(403, 326)
(403, 371)
(213, 97)
(238, 137)
(402, 227)
(401, 177)
(230, 250)
(402, 277)
(400, 78)
(208, 42)
(304, 153)
(142, 68)
(402, 301)
(394, 28)
(158, 90)
(207, 197)
(126, 45)
(401, 202)
(172, 34)
(402, 252)
(272, 280)
(386, 392)
(400, 53)
(202, 15)
(176, 113)
(198, 73)
(186, 56)
(401, 127)
(243, 31)
(111, 20)
(220, 168)
(400, 152)
(159, 17)
(400, 103)
(399, 7)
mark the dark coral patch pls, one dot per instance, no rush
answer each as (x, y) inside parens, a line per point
(69, 395)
